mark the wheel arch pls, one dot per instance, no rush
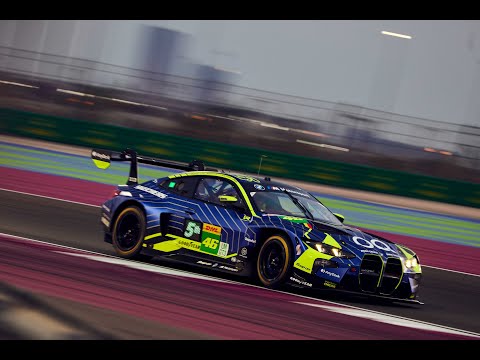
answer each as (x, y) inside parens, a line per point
(123, 206)
(264, 233)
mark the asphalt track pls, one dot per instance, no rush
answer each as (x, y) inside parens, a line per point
(451, 298)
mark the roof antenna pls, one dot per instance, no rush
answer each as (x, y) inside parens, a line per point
(260, 165)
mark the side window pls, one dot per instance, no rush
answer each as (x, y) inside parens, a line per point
(183, 186)
(289, 206)
(209, 189)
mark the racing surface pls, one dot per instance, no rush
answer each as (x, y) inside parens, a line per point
(106, 299)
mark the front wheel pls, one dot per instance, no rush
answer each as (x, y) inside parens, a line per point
(274, 261)
(128, 232)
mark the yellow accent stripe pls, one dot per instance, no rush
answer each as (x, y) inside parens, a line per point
(152, 236)
(331, 241)
(305, 234)
(406, 253)
(195, 246)
(401, 277)
(224, 176)
(167, 246)
(306, 260)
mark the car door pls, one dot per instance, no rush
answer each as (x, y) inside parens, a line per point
(218, 226)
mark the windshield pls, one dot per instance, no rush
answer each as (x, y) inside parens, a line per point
(282, 203)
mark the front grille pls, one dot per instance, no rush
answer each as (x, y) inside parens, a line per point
(370, 271)
(391, 276)
(374, 272)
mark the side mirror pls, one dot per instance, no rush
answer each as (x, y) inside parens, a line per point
(227, 199)
(339, 217)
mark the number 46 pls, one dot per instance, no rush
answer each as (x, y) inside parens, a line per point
(210, 243)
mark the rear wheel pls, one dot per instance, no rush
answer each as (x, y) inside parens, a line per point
(128, 232)
(274, 261)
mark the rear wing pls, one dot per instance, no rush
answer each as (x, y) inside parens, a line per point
(102, 159)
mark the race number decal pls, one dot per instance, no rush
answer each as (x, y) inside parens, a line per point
(192, 230)
(208, 235)
(211, 240)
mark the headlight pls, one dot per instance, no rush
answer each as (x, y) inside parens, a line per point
(330, 250)
(412, 263)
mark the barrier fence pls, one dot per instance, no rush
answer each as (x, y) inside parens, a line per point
(238, 158)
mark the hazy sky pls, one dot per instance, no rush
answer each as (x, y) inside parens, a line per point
(434, 75)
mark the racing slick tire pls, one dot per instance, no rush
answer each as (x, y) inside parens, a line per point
(274, 261)
(128, 232)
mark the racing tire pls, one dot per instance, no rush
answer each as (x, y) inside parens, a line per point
(128, 232)
(274, 261)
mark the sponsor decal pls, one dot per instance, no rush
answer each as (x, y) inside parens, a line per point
(234, 259)
(300, 282)
(276, 188)
(243, 252)
(295, 192)
(217, 230)
(329, 273)
(330, 284)
(151, 191)
(208, 235)
(374, 243)
(105, 208)
(211, 243)
(133, 179)
(367, 271)
(100, 156)
(201, 262)
(302, 267)
(189, 244)
(228, 268)
(253, 241)
(294, 219)
(246, 217)
(258, 187)
(223, 249)
(247, 178)
(214, 265)
(369, 251)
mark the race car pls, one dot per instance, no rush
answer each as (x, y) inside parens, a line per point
(252, 226)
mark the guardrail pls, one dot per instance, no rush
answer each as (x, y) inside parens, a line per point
(238, 158)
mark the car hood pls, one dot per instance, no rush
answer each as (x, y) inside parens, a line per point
(345, 237)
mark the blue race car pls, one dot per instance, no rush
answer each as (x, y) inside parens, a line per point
(250, 226)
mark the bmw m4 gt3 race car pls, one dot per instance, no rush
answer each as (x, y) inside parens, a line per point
(250, 226)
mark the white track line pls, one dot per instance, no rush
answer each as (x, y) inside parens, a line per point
(49, 197)
(92, 255)
(338, 307)
(393, 319)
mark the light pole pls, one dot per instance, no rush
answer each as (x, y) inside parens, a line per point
(260, 165)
